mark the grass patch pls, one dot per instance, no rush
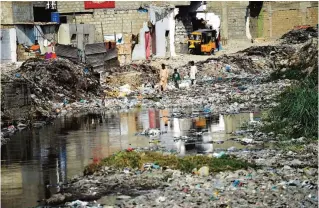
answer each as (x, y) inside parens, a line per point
(297, 113)
(292, 74)
(186, 164)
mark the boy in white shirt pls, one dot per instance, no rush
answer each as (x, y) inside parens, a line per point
(193, 72)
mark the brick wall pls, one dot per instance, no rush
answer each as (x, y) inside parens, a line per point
(277, 18)
(16, 99)
(312, 16)
(114, 21)
(232, 15)
(183, 26)
(236, 22)
(78, 6)
(123, 18)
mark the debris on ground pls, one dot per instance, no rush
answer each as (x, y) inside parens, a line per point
(53, 82)
(302, 35)
(281, 178)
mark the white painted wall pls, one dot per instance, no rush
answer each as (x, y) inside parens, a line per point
(66, 31)
(161, 26)
(8, 52)
(64, 34)
(139, 49)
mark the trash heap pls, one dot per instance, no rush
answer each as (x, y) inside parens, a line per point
(61, 78)
(299, 35)
(133, 75)
(284, 178)
(56, 82)
(231, 83)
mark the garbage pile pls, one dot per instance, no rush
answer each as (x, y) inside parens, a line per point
(61, 78)
(134, 75)
(222, 97)
(298, 36)
(232, 83)
(284, 178)
(266, 187)
(56, 83)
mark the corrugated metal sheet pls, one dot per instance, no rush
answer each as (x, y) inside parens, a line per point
(95, 48)
(66, 51)
(97, 54)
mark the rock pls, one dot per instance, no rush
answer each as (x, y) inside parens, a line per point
(295, 162)
(123, 197)
(160, 199)
(58, 198)
(311, 171)
(203, 171)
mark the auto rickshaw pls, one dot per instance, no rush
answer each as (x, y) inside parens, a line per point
(202, 41)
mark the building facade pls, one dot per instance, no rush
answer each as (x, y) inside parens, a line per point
(159, 28)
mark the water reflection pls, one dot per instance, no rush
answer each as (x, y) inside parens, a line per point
(35, 161)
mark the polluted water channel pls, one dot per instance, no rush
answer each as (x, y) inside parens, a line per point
(35, 161)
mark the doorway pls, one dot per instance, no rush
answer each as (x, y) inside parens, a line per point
(167, 43)
(147, 45)
(153, 34)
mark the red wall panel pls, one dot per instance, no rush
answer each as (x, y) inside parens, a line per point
(99, 4)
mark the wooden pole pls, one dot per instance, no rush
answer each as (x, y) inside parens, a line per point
(102, 32)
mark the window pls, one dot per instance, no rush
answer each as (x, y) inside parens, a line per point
(86, 38)
(73, 37)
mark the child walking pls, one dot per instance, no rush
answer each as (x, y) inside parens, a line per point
(176, 78)
(193, 72)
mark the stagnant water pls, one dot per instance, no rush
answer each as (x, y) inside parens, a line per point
(34, 159)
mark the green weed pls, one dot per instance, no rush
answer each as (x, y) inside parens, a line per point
(297, 112)
(185, 164)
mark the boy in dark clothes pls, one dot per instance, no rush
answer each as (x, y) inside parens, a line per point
(176, 78)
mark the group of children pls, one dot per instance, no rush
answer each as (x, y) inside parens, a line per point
(176, 76)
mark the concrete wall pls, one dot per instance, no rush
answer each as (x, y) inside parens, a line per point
(233, 18)
(67, 30)
(139, 49)
(22, 12)
(164, 20)
(8, 52)
(6, 12)
(16, 12)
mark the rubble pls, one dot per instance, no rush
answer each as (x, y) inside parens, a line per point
(298, 36)
(53, 81)
(134, 75)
